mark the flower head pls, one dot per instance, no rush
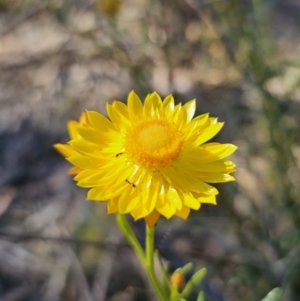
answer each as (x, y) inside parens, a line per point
(148, 159)
(177, 280)
(109, 7)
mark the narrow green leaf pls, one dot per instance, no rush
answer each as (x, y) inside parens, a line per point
(165, 270)
(195, 281)
(274, 295)
(186, 269)
(174, 295)
(201, 297)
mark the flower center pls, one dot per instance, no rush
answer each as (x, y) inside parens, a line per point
(153, 144)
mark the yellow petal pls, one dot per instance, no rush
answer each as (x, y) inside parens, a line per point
(188, 183)
(74, 170)
(152, 105)
(72, 129)
(112, 206)
(216, 177)
(191, 202)
(152, 218)
(122, 110)
(184, 212)
(167, 211)
(176, 112)
(148, 109)
(84, 147)
(116, 117)
(99, 122)
(82, 162)
(172, 197)
(181, 118)
(155, 100)
(139, 212)
(90, 135)
(94, 194)
(128, 200)
(83, 119)
(195, 126)
(86, 162)
(168, 104)
(106, 192)
(65, 150)
(221, 150)
(135, 106)
(149, 199)
(84, 173)
(209, 133)
(217, 166)
(208, 200)
(190, 108)
(101, 177)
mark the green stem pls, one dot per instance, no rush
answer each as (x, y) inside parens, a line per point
(150, 245)
(130, 236)
(150, 263)
(147, 259)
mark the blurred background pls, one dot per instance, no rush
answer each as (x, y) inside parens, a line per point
(239, 59)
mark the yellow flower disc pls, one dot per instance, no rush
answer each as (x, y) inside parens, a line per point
(153, 144)
(148, 159)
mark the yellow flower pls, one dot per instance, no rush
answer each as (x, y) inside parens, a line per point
(109, 7)
(148, 159)
(177, 280)
(65, 149)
